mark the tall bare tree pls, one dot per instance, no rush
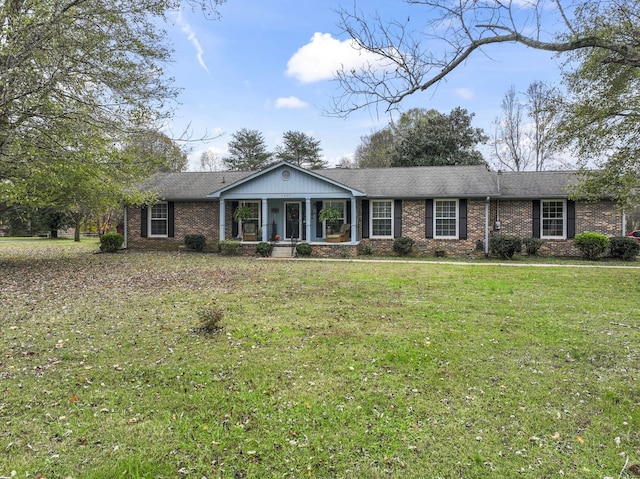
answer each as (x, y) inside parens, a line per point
(525, 136)
(508, 142)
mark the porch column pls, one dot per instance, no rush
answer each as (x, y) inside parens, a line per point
(222, 220)
(265, 220)
(307, 218)
(354, 221)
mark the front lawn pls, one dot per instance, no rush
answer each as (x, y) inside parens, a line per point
(321, 369)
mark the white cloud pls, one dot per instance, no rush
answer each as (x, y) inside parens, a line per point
(323, 56)
(191, 36)
(290, 102)
(464, 93)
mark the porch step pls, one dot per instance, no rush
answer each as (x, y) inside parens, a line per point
(282, 252)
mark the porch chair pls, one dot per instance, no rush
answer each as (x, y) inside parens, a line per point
(249, 232)
(341, 236)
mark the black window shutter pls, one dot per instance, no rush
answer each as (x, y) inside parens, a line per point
(462, 220)
(365, 218)
(318, 222)
(571, 218)
(348, 212)
(536, 218)
(170, 219)
(234, 223)
(144, 221)
(397, 218)
(428, 219)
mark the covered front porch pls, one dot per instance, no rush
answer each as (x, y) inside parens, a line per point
(288, 220)
(283, 204)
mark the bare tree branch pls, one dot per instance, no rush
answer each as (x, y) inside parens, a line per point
(414, 58)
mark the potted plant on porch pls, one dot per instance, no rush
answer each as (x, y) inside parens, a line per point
(332, 216)
(242, 214)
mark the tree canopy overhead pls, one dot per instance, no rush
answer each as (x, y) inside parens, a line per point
(77, 79)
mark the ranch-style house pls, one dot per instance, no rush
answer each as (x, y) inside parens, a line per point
(452, 210)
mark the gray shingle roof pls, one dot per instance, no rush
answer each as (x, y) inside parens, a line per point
(540, 184)
(191, 185)
(416, 182)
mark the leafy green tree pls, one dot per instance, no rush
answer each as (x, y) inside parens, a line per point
(429, 138)
(601, 115)
(156, 152)
(77, 78)
(247, 151)
(373, 150)
(300, 149)
(52, 220)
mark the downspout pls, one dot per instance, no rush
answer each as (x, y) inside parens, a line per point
(486, 226)
(624, 223)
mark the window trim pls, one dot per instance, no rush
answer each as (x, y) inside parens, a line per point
(564, 219)
(456, 218)
(151, 219)
(371, 218)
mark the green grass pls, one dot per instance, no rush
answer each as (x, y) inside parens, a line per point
(321, 369)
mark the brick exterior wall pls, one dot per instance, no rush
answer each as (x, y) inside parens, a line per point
(190, 218)
(516, 218)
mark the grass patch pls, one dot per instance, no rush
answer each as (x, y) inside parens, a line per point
(337, 369)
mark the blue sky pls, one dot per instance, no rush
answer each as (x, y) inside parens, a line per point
(267, 66)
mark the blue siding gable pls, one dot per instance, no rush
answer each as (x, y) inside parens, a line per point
(285, 181)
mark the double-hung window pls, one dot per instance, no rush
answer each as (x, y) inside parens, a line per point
(445, 218)
(381, 218)
(553, 217)
(158, 220)
(254, 206)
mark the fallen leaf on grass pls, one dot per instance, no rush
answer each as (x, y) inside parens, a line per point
(579, 439)
(634, 469)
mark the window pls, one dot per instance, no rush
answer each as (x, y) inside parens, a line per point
(446, 218)
(340, 206)
(553, 219)
(158, 220)
(381, 218)
(254, 206)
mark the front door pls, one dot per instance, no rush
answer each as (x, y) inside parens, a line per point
(292, 220)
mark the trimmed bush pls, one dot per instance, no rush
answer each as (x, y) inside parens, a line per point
(532, 245)
(111, 242)
(195, 242)
(366, 250)
(403, 246)
(624, 248)
(304, 249)
(505, 246)
(229, 247)
(592, 245)
(264, 249)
